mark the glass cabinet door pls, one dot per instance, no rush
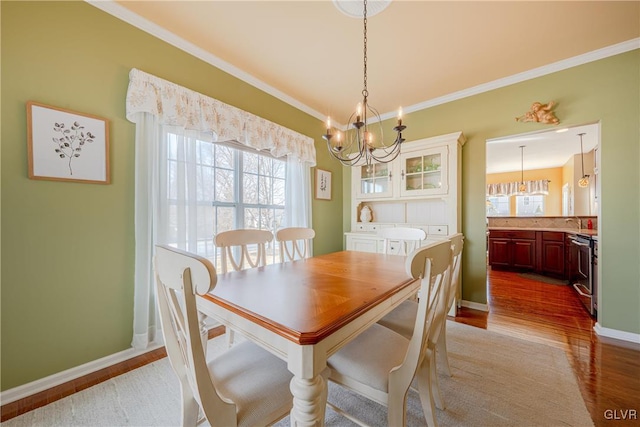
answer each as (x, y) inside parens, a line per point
(424, 173)
(374, 180)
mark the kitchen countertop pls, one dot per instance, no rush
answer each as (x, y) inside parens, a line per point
(585, 231)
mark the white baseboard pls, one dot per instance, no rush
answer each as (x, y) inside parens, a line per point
(474, 305)
(616, 334)
(29, 389)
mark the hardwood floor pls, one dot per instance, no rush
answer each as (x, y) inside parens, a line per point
(607, 371)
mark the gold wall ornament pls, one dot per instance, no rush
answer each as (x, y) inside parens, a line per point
(540, 113)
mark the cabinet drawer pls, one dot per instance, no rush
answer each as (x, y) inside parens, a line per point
(371, 226)
(555, 236)
(438, 230)
(361, 227)
(513, 234)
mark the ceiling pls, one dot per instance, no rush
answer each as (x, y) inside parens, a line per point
(420, 53)
(542, 150)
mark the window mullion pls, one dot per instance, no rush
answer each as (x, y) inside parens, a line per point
(238, 180)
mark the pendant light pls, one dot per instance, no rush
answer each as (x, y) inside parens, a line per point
(584, 181)
(521, 187)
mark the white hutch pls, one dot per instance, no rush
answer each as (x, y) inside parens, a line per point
(420, 188)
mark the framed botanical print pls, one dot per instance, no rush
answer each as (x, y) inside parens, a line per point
(66, 145)
(323, 184)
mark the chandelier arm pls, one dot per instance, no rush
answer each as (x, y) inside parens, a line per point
(345, 153)
(348, 161)
(386, 159)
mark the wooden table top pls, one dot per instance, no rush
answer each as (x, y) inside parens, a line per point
(305, 301)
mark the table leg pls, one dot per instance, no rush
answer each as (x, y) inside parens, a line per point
(309, 401)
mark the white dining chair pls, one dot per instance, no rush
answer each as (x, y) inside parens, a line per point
(401, 240)
(381, 364)
(402, 318)
(240, 249)
(236, 247)
(245, 385)
(295, 243)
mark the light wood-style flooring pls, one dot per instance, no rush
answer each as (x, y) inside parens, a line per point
(608, 372)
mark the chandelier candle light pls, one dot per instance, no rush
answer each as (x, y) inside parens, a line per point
(365, 143)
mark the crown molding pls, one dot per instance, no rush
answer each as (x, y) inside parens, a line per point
(124, 14)
(526, 75)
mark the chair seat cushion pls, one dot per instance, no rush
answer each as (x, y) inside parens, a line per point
(402, 319)
(255, 380)
(370, 357)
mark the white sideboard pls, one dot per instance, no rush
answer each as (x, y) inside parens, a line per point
(371, 242)
(420, 188)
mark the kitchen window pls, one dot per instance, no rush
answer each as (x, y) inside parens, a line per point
(498, 206)
(530, 205)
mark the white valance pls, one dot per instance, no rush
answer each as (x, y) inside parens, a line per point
(175, 105)
(511, 188)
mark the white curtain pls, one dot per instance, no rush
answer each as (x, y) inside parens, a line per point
(511, 188)
(155, 106)
(146, 321)
(298, 190)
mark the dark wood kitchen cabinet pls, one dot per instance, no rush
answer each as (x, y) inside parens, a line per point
(552, 253)
(543, 252)
(512, 249)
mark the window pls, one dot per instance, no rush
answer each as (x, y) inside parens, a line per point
(530, 205)
(233, 189)
(498, 206)
(185, 189)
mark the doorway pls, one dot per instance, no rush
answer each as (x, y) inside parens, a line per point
(560, 157)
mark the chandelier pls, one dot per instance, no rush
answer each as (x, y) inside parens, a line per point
(364, 143)
(584, 181)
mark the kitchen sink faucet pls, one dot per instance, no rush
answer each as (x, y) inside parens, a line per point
(578, 221)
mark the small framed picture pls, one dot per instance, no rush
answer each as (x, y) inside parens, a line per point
(65, 145)
(323, 184)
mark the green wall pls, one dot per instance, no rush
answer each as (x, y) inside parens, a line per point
(607, 91)
(68, 248)
(67, 294)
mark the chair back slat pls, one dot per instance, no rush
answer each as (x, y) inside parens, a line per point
(295, 243)
(457, 243)
(230, 241)
(435, 277)
(431, 265)
(440, 261)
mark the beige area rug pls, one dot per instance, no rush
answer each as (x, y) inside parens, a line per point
(497, 381)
